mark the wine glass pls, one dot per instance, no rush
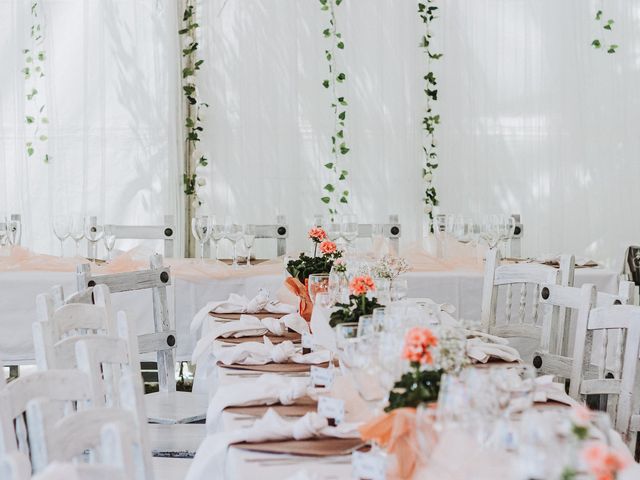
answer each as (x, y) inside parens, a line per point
(249, 239)
(14, 231)
(4, 232)
(217, 234)
(109, 240)
(201, 230)
(440, 232)
(233, 233)
(399, 289)
(61, 229)
(76, 232)
(333, 231)
(349, 229)
(93, 233)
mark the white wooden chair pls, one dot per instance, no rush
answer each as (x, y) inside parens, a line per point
(555, 360)
(165, 232)
(167, 405)
(625, 410)
(278, 231)
(532, 320)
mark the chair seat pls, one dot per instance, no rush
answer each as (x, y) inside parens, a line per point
(177, 441)
(171, 468)
(176, 407)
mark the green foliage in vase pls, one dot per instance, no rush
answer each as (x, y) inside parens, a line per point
(350, 312)
(414, 388)
(305, 265)
(335, 192)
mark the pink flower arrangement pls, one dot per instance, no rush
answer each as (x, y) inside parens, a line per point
(340, 265)
(604, 462)
(361, 285)
(328, 247)
(317, 234)
(417, 344)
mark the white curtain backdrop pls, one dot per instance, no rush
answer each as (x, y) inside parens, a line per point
(534, 120)
(112, 99)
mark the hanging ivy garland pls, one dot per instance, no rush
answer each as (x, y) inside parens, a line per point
(335, 191)
(607, 26)
(427, 12)
(35, 106)
(190, 66)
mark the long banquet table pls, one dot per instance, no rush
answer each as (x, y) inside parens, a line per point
(195, 284)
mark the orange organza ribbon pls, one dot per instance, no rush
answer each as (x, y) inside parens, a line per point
(300, 290)
(396, 432)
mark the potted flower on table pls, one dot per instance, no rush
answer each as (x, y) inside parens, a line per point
(361, 302)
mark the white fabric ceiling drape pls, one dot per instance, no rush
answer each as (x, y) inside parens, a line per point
(112, 97)
(534, 120)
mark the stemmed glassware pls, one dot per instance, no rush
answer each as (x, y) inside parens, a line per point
(109, 240)
(249, 239)
(217, 234)
(61, 229)
(76, 231)
(4, 232)
(201, 230)
(14, 231)
(233, 233)
(93, 233)
(349, 229)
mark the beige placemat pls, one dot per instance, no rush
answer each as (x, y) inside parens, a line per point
(229, 317)
(274, 367)
(302, 406)
(275, 339)
(317, 447)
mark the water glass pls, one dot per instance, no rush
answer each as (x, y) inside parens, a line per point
(93, 232)
(399, 289)
(4, 232)
(217, 234)
(109, 240)
(349, 229)
(14, 231)
(366, 326)
(76, 231)
(201, 230)
(233, 232)
(249, 239)
(318, 283)
(61, 229)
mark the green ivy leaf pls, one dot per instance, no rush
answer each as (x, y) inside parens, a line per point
(342, 115)
(30, 151)
(325, 83)
(341, 77)
(329, 165)
(598, 14)
(30, 119)
(329, 188)
(340, 45)
(326, 32)
(326, 199)
(596, 43)
(612, 49)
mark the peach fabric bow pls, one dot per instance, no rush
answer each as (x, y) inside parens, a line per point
(300, 290)
(396, 432)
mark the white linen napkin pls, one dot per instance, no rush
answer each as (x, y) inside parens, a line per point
(240, 304)
(209, 462)
(58, 471)
(481, 351)
(250, 326)
(267, 389)
(545, 389)
(255, 353)
(579, 261)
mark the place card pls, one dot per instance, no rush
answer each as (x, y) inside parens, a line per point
(322, 377)
(307, 343)
(332, 409)
(368, 465)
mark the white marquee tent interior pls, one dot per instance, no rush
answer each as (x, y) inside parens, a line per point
(455, 356)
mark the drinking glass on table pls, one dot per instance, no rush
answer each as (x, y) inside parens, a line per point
(399, 289)
(233, 233)
(333, 231)
(109, 240)
(217, 234)
(440, 232)
(318, 283)
(14, 230)
(4, 232)
(93, 233)
(61, 229)
(201, 230)
(349, 229)
(76, 232)
(249, 239)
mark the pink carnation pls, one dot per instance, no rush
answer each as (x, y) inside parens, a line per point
(361, 285)
(317, 234)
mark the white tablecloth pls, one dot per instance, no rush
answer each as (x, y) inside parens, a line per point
(18, 291)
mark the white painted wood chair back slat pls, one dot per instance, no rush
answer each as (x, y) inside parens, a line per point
(165, 232)
(624, 390)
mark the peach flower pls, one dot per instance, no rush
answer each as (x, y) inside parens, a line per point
(417, 344)
(361, 285)
(604, 462)
(328, 247)
(317, 234)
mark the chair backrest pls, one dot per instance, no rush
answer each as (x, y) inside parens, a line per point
(156, 279)
(58, 321)
(165, 232)
(63, 387)
(278, 231)
(631, 264)
(15, 466)
(391, 230)
(531, 318)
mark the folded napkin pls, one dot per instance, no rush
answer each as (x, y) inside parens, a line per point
(240, 304)
(267, 389)
(550, 259)
(545, 390)
(58, 471)
(481, 351)
(250, 326)
(209, 462)
(255, 353)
